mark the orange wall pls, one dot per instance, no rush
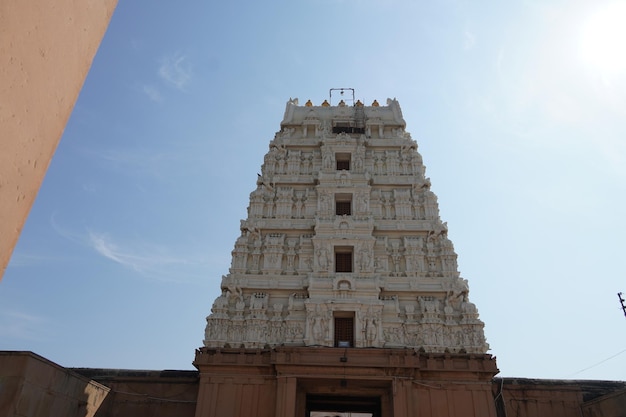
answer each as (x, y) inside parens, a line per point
(47, 48)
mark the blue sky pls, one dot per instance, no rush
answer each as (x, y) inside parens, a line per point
(518, 109)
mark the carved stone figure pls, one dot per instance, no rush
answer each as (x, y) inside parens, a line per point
(322, 258)
(364, 259)
(362, 202)
(327, 159)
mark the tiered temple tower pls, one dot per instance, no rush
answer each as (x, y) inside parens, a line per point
(343, 251)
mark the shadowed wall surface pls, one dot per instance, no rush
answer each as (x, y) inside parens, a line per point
(32, 386)
(166, 393)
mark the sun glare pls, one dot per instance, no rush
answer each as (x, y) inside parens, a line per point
(603, 44)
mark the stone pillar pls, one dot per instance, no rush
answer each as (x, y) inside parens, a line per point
(402, 398)
(286, 397)
(47, 48)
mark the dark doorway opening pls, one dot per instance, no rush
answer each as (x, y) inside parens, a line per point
(334, 405)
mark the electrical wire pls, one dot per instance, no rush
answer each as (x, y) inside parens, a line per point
(594, 365)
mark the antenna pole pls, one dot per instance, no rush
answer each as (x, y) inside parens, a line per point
(622, 301)
(341, 92)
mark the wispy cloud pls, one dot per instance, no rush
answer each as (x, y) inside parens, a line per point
(138, 258)
(142, 256)
(152, 93)
(176, 70)
(469, 40)
(22, 326)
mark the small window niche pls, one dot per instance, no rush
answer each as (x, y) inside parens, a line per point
(344, 329)
(343, 204)
(343, 161)
(343, 258)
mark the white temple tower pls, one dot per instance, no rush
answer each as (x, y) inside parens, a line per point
(343, 244)
(343, 251)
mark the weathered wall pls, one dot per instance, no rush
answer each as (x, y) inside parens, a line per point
(524, 397)
(243, 396)
(47, 48)
(527, 398)
(456, 399)
(610, 405)
(276, 383)
(146, 393)
(239, 385)
(31, 386)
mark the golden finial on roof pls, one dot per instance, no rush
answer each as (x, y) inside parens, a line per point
(342, 103)
(325, 104)
(308, 103)
(359, 104)
(375, 104)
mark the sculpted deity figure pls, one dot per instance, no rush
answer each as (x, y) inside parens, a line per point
(324, 129)
(241, 302)
(378, 164)
(386, 201)
(370, 330)
(392, 162)
(359, 158)
(291, 255)
(365, 259)
(269, 197)
(370, 326)
(448, 309)
(429, 305)
(281, 155)
(324, 201)
(362, 202)
(405, 158)
(318, 326)
(395, 253)
(327, 158)
(290, 303)
(322, 258)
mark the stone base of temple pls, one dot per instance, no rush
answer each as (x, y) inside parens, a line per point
(299, 382)
(316, 381)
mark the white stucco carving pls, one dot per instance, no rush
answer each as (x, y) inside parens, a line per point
(384, 267)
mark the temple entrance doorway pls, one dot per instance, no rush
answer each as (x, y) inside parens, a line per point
(344, 397)
(342, 406)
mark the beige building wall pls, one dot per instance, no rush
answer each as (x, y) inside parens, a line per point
(32, 386)
(137, 393)
(46, 49)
